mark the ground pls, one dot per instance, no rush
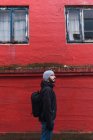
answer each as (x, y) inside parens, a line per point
(36, 136)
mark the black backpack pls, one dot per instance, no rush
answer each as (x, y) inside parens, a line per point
(36, 103)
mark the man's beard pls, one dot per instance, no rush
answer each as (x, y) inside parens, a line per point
(51, 81)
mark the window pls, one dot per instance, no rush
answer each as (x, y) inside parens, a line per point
(79, 24)
(13, 25)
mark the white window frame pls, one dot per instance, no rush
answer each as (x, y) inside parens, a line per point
(11, 10)
(80, 10)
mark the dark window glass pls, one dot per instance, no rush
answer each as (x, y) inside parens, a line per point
(88, 24)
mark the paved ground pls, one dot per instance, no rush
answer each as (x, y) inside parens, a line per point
(36, 136)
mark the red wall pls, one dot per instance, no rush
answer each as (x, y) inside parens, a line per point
(74, 103)
(47, 34)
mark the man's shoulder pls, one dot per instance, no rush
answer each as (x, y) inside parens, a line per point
(46, 88)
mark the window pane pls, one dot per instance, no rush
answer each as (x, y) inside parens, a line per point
(88, 35)
(88, 24)
(4, 26)
(88, 13)
(74, 25)
(20, 26)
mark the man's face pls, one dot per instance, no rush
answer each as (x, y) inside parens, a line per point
(52, 78)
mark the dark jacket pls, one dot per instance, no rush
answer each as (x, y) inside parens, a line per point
(49, 107)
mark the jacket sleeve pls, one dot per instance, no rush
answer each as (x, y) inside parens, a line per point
(47, 108)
